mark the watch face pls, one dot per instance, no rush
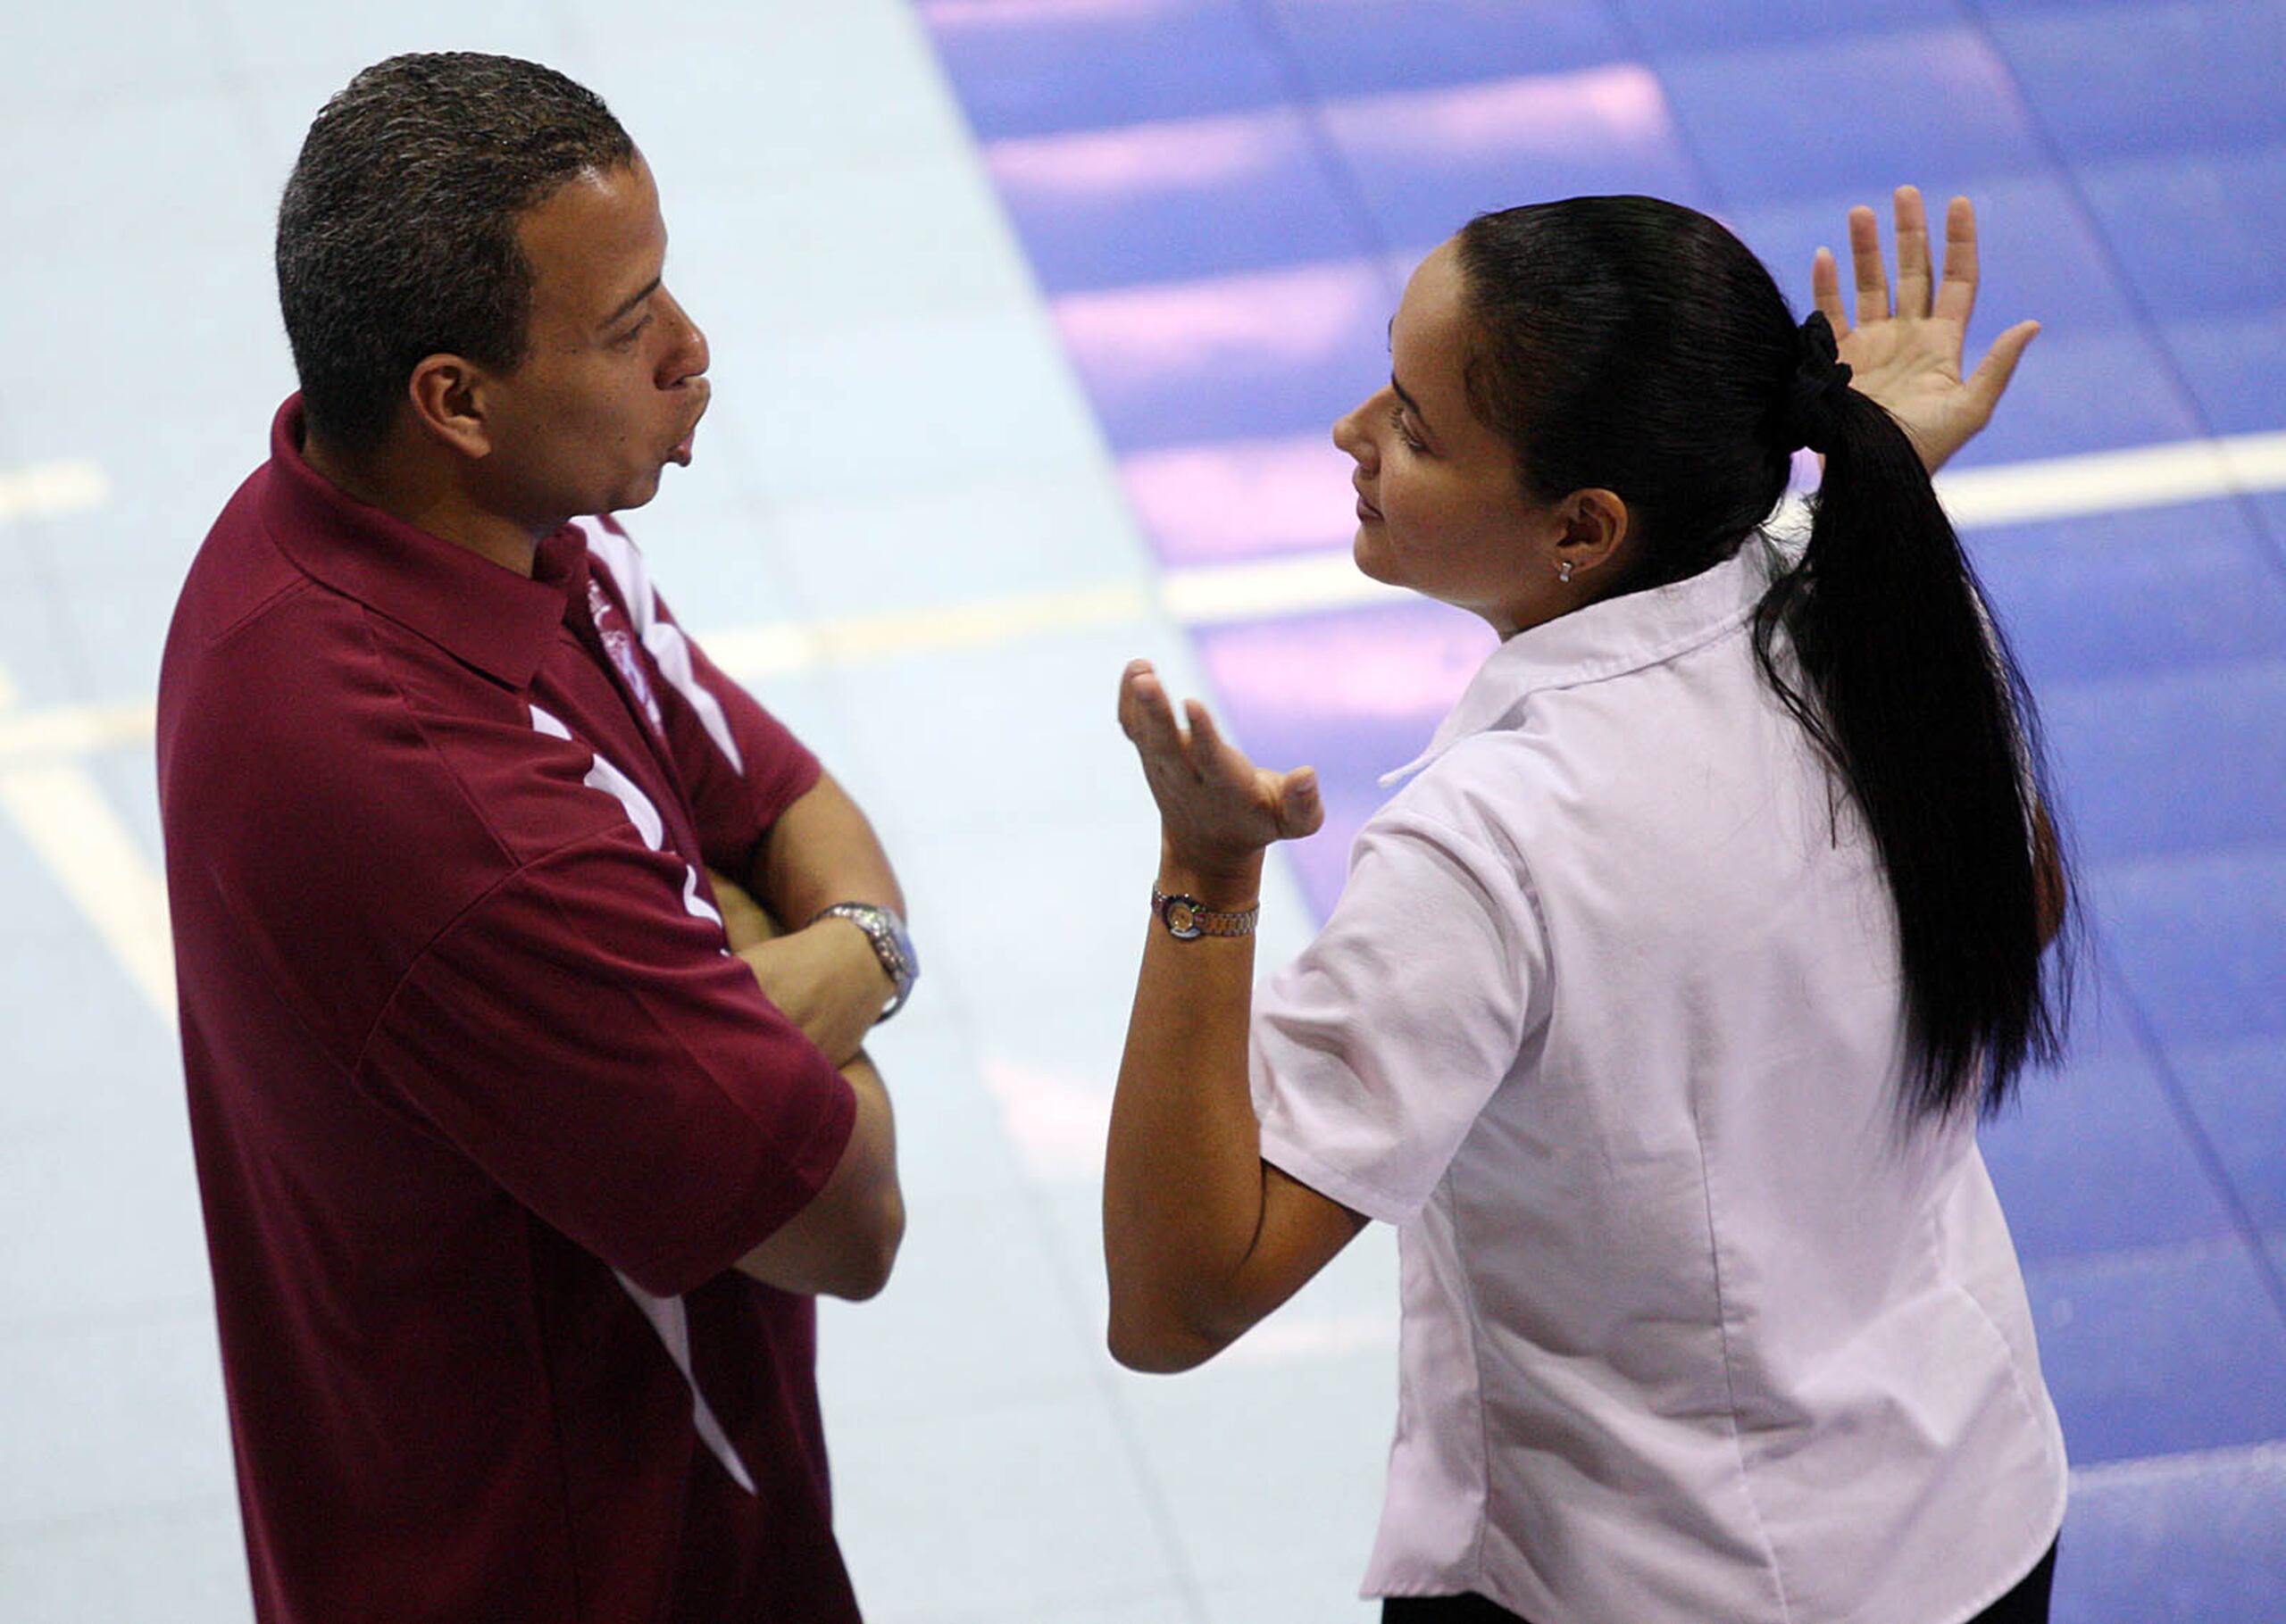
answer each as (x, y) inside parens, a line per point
(1182, 918)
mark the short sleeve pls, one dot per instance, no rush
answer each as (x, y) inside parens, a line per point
(585, 1040)
(1373, 1052)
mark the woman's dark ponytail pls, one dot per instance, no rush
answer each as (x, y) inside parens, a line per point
(1637, 347)
(1914, 696)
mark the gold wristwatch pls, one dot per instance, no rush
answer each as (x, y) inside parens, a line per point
(1187, 919)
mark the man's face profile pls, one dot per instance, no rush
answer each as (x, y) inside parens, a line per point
(611, 385)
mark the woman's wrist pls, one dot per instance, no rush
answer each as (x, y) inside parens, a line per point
(1223, 884)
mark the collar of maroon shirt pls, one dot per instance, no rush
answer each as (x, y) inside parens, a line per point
(488, 616)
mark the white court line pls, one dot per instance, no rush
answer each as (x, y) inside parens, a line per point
(764, 651)
(2144, 1472)
(1300, 583)
(66, 732)
(2017, 492)
(66, 819)
(51, 488)
(2108, 481)
(69, 822)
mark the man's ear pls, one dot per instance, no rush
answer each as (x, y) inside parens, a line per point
(1595, 531)
(448, 395)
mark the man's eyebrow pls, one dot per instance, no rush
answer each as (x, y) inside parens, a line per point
(647, 290)
(1412, 406)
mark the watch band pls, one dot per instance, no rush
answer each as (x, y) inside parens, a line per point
(891, 945)
(1187, 919)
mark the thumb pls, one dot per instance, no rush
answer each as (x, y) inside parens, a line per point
(1989, 381)
(1301, 808)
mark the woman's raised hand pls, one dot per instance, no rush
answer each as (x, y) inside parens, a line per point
(1217, 810)
(1907, 355)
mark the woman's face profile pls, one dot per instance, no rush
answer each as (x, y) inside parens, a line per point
(1440, 507)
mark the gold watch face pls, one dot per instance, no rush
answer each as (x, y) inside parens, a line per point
(1182, 918)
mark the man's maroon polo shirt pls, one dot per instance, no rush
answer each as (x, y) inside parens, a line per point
(484, 1110)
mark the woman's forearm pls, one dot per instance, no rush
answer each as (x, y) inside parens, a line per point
(1183, 1176)
(1201, 1238)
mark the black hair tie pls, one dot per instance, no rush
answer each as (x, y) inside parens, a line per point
(1810, 413)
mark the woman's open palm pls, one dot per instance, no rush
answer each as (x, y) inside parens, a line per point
(1907, 354)
(1216, 808)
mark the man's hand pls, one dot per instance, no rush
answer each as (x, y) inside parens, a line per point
(1908, 356)
(827, 979)
(746, 921)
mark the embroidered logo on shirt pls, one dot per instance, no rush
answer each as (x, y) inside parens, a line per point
(619, 643)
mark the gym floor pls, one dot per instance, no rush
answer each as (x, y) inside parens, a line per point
(1029, 319)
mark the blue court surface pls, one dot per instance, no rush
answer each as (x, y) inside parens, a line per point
(1030, 317)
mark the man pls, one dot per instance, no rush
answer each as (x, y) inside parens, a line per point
(517, 1181)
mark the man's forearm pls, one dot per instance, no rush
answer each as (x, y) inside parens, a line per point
(822, 850)
(826, 979)
(844, 1241)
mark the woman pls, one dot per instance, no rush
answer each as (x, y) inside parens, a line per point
(1660, 1005)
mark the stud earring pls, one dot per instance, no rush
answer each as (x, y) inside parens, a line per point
(1564, 571)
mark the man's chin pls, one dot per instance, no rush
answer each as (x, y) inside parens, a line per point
(637, 492)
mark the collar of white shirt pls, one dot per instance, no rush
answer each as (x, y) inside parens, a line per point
(1604, 640)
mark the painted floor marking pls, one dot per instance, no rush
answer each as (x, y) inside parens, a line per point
(70, 825)
(66, 819)
(45, 488)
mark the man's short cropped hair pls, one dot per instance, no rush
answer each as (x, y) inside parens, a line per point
(397, 238)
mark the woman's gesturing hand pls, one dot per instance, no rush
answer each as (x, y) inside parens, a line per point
(1907, 354)
(1217, 810)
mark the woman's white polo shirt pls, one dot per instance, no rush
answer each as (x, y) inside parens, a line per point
(1698, 1325)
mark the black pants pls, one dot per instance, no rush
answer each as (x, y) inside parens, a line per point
(2027, 1603)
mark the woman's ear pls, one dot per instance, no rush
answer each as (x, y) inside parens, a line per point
(1594, 531)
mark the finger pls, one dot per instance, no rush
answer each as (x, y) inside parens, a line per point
(1989, 381)
(1206, 738)
(1161, 732)
(1301, 805)
(1956, 298)
(1914, 277)
(1155, 730)
(1825, 290)
(1131, 707)
(1865, 256)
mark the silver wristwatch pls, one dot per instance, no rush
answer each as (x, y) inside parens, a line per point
(891, 945)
